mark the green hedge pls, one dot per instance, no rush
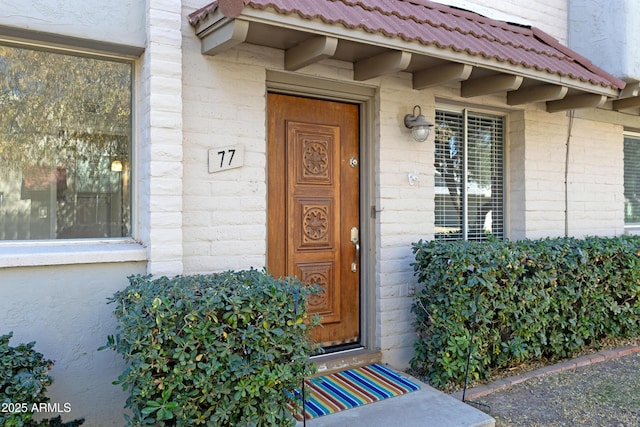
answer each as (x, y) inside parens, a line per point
(224, 349)
(24, 378)
(547, 298)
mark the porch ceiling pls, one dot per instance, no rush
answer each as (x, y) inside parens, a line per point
(438, 44)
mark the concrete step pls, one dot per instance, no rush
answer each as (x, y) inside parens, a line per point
(425, 407)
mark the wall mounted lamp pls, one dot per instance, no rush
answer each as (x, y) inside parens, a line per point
(420, 127)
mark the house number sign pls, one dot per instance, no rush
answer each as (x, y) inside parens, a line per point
(223, 158)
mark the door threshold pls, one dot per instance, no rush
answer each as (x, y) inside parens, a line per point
(347, 359)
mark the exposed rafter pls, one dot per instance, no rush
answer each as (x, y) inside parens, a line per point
(629, 97)
(380, 65)
(536, 94)
(440, 75)
(631, 89)
(490, 84)
(229, 34)
(585, 100)
(624, 104)
(309, 51)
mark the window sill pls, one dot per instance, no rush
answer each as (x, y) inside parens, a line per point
(31, 254)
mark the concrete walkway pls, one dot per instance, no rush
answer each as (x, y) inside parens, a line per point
(432, 408)
(425, 407)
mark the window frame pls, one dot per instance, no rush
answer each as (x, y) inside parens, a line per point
(629, 226)
(45, 252)
(467, 111)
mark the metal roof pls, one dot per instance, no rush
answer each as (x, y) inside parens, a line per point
(415, 36)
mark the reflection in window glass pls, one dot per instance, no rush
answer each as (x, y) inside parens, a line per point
(65, 144)
(469, 179)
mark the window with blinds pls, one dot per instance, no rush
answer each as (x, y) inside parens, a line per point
(632, 179)
(469, 175)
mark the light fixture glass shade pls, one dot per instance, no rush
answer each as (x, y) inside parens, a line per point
(420, 127)
(420, 133)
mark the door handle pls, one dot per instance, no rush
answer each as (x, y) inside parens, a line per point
(356, 242)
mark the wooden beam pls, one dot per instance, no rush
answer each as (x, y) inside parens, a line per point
(623, 104)
(630, 90)
(309, 51)
(440, 75)
(536, 94)
(228, 35)
(380, 65)
(490, 84)
(584, 100)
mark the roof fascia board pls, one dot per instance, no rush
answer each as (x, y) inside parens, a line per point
(270, 17)
(210, 23)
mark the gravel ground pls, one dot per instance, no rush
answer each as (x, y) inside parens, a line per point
(601, 394)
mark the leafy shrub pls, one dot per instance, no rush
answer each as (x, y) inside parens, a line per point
(24, 378)
(526, 300)
(220, 349)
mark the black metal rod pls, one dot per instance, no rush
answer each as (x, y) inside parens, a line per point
(473, 333)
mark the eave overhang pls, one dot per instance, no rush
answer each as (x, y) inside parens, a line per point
(557, 76)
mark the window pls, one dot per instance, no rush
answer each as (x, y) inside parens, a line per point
(632, 179)
(65, 145)
(469, 181)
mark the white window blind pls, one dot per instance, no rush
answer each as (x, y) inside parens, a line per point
(469, 168)
(632, 179)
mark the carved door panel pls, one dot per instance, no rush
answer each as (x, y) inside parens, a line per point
(313, 205)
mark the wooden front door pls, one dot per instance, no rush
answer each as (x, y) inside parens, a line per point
(313, 207)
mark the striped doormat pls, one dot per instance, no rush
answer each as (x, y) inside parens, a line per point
(355, 387)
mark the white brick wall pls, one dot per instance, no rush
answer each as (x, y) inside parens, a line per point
(406, 216)
(224, 104)
(544, 162)
(595, 177)
(160, 140)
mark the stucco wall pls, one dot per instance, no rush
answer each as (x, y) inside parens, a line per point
(64, 310)
(119, 21)
(608, 36)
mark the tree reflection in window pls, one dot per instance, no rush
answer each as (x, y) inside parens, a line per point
(64, 119)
